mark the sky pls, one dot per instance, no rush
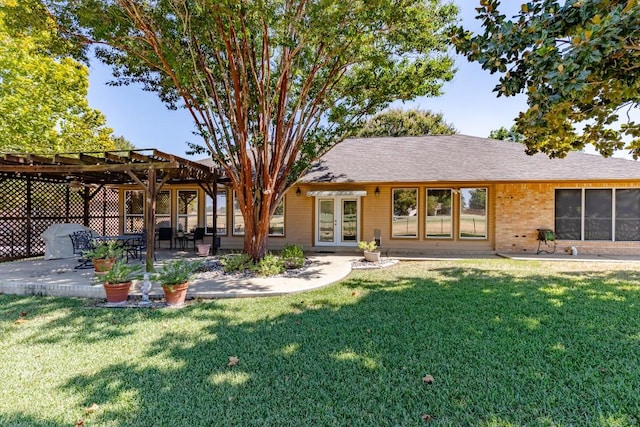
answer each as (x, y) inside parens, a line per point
(468, 102)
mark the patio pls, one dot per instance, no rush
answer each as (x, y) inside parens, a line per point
(57, 277)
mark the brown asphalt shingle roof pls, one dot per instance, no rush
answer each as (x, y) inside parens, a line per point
(458, 158)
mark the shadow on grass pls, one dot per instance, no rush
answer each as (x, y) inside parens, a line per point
(503, 347)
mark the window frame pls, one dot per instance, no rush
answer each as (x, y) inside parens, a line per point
(126, 215)
(214, 216)
(234, 200)
(486, 214)
(427, 216)
(179, 215)
(417, 215)
(284, 207)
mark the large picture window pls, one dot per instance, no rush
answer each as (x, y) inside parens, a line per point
(276, 223)
(220, 218)
(438, 222)
(473, 213)
(238, 219)
(405, 212)
(597, 214)
(133, 211)
(187, 210)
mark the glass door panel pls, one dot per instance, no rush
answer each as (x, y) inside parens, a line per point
(326, 221)
(349, 220)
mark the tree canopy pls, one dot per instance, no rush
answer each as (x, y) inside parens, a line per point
(43, 98)
(271, 84)
(398, 122)
(505, 134)
(578, 64)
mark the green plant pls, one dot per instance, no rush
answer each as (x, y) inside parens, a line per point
(292, 256)
(236, 262)
(104, 249)
(269, 265)
(176, 272)
(120, 273)
(368, 246)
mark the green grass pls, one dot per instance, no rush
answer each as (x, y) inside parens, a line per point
(508, 343)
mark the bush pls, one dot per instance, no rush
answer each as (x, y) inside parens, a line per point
(269, 265)
(236, 262)
(292, 256)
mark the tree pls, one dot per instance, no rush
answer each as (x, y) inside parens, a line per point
(122, 143)
(406, 123)
(507, 134)
(271, 84)
(578, 63)
(43, 99)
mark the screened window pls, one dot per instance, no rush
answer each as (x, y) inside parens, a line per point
(276, 224)
(133, 211)
(163, 209)
(438, 223)
(598, 214)
(473, 213)
(187, 210)
(220, 218)
(569, 214)
(238, 219)
(627, 215)
(405, 212)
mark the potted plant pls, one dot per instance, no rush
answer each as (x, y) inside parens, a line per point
(104, 254)
(174, 277)
(117, 281)
(369, 249)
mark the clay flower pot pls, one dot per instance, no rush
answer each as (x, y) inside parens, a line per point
(117, 293)
(175, 295)
(203, 249)
(372, 256)
(102, 265)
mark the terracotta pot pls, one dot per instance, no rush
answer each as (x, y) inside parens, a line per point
(203, 249)
(175, 294)
(102, 265)
(372, 256)
(117, 293)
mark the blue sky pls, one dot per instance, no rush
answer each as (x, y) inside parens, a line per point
(468, 102)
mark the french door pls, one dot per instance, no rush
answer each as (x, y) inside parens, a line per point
(337, 221)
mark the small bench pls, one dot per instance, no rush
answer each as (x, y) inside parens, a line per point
(547, 238)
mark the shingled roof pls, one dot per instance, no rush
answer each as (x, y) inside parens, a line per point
(458, 158)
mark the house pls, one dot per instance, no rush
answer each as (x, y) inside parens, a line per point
(456, 194)
(452, 194)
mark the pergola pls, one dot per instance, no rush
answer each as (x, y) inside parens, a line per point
(89, 172)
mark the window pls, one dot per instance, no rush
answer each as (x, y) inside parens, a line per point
(276, 224)
(163, 209)
(627, 215)
(569, 214)
(133, 211)
(598, 214)
(473, 213)
(220, 217)
(405, 212)
(438, 222)
(238, 219)
(187, 219)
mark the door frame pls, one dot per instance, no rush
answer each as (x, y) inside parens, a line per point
(337, 220)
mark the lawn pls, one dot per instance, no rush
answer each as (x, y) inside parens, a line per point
(507, 344)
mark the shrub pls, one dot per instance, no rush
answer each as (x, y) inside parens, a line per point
(236, 262)
(292, 256)
(269, 265)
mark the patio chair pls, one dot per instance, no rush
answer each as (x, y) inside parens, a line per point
(164, 234)
(198, 234)
(82, 241)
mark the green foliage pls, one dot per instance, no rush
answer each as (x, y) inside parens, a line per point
(236, 262)
(406, 123)
(292, 256)
(120, 272)
(577, 63)
(104, 249)
(368, 246)
(269, 81)
(176, 272)
(478, 200)
(43, 98)
(269, 265)
(505, 134)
